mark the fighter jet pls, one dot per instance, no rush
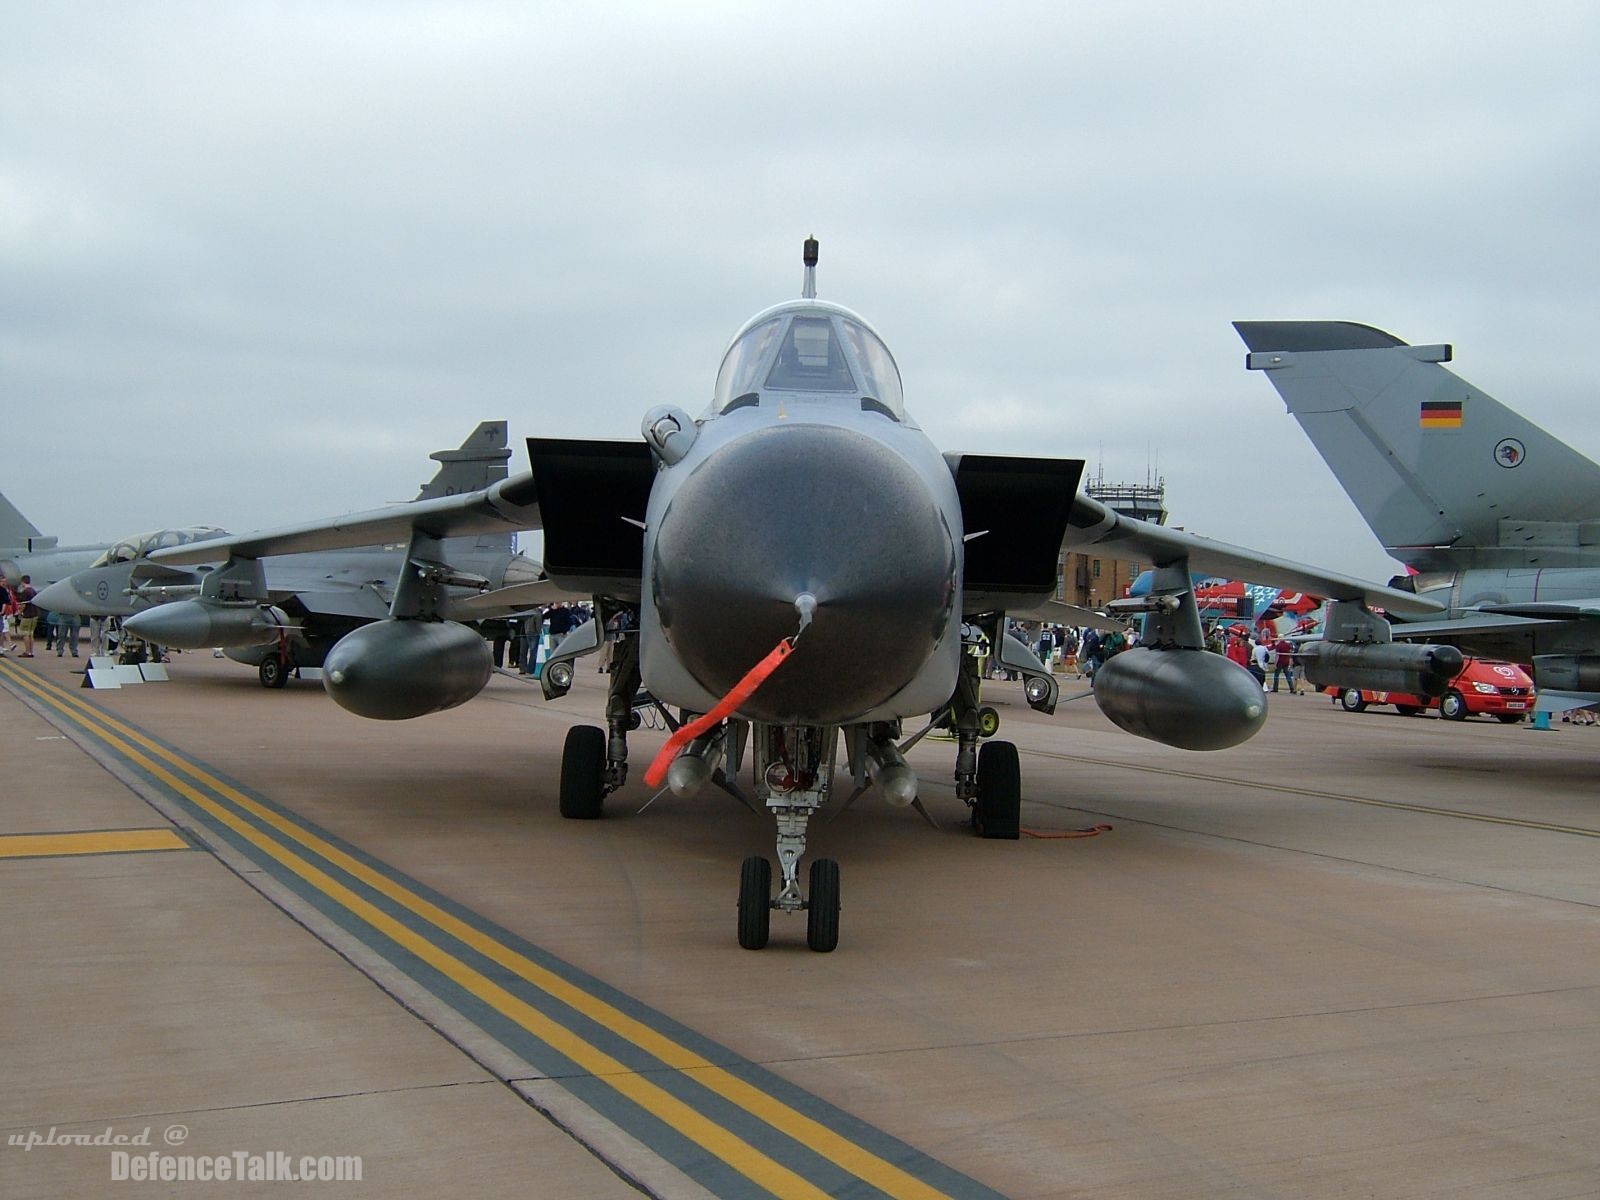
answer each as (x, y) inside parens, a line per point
(1499, 520)
(25, 551)
(312, 599)
(804, 569)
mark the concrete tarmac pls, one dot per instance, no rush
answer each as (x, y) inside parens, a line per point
(1353, 957)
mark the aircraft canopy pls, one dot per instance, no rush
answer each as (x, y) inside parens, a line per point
(143, 544)
(815, 348)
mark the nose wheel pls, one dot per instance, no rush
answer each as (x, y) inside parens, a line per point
(793, 775)
(822, 910)
(756, 904)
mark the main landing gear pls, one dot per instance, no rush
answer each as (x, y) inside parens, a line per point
(276, 666)
(794, 768)
(274, 671)
(989, 780)
(594, 761)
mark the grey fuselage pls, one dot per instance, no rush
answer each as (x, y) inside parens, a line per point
(44, 567)
(780, 492)
(1479, 587)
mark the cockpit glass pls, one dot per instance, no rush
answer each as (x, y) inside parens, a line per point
(807, 351)
(744, 359)
(130, 549)
(883, 377)
(124, 551)
(811, 360)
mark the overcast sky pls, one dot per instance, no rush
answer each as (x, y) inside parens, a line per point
(264, 258)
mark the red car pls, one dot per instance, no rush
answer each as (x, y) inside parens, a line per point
(1500, 690)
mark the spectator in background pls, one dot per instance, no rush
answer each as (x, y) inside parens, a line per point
(1047, 644)
(1090, 659)
(1238, 649)
(1283, 666)
(1113, 644)
(1215, 641)
(28, 614)
(67, 626)
(1261, 658)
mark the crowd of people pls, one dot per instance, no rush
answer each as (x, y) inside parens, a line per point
(21, 616)
(23, 625)
(519, 638)
(1261, 651)
(1266, 654)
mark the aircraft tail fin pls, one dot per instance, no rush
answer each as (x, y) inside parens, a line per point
(479, 461)
(15, 529)
(1430, 461)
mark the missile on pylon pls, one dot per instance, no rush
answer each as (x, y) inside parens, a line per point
(1381, 666)
(201, 624)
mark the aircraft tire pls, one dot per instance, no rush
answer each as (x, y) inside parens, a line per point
(755, 902)
(1453, 707)
(273, 671)
(998, 813)
(1350, 700)
(583, 764)
(822, 913)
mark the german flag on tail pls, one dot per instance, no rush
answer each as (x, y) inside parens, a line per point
(1440, 414)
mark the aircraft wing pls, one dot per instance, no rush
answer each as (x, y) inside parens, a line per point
(1092, 523)
(519, 597)
(1057, 612)
(364, 603)
(509, 505)
(1477, 622)
(1020, 512)
(1483, 634)
(1568, 610)
(588, 496)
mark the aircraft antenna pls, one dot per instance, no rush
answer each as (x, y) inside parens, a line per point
(808, 290)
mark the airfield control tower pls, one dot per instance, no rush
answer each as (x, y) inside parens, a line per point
(1091, 580)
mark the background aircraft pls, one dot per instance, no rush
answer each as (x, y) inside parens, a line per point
(25, 551)
(312, 600)
(1499, 520)
(803, 568)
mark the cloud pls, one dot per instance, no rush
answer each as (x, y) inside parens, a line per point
(266, 257)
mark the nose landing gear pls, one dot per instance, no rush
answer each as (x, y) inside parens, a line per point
(794, 777)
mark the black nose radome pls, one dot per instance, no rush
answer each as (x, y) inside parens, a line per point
(795, 510)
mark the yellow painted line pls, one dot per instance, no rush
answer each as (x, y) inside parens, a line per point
(809, 1132)
(1260, 785)
(100, 841)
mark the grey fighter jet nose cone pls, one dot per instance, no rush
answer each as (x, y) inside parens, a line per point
(59, 596)
(805, 511)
